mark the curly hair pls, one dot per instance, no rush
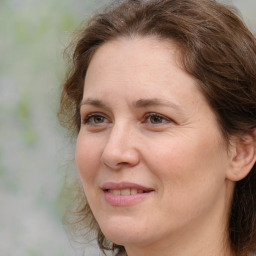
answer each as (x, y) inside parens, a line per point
(217, 49)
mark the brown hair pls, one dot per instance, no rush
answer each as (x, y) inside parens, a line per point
(217, 49)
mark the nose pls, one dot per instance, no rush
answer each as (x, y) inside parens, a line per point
(120, 148)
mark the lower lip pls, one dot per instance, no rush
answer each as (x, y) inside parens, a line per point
(119, 200)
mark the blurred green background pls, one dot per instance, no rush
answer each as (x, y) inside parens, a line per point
(35, 153)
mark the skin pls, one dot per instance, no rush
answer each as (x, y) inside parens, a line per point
(179, 152)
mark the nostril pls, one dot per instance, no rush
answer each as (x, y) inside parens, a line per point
(117, 160)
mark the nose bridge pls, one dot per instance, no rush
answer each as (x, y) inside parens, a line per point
(120, 133)
(120, 146)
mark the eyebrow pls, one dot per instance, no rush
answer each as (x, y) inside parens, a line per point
(93, 102)
(141, 103)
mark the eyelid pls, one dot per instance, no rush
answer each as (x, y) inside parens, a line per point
(156, 114)
(87, 117)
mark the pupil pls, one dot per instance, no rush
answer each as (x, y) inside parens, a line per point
(98, 119)
(156, 119)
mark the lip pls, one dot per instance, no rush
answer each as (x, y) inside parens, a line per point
(124, 185)
(125, 200)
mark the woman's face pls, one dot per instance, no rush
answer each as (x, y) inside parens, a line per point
(150, 154)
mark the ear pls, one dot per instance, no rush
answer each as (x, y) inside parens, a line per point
(243, 156)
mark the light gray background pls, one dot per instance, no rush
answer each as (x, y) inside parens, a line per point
(35, 154)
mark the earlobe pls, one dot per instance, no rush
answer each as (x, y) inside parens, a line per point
(243, 156)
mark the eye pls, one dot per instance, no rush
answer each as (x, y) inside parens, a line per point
(95, 119)
(156, 119)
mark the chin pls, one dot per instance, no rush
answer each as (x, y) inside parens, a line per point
(122, 232)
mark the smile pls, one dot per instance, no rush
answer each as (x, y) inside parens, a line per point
(125, 194)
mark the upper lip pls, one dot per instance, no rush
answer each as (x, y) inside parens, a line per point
(124, 185)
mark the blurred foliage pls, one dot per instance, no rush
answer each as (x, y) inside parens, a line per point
(34, 153)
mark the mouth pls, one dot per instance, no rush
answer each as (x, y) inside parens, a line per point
(125, 194)
(126, 191)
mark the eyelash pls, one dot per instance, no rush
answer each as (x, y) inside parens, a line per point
(89, 119)
(159, 116)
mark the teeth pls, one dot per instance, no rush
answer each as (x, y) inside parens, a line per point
(134, 191)
(126, 192)
(116, 192)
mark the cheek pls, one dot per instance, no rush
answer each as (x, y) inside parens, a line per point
(186, 168)
(87, 159)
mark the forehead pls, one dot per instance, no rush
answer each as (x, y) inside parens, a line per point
(125, 71)
(137, 63)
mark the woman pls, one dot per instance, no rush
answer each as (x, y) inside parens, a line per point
(162, 97)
